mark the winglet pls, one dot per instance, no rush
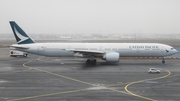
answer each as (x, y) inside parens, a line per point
(20, 35)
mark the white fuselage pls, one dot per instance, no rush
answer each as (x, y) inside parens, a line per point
(124, 49)
(110, 52)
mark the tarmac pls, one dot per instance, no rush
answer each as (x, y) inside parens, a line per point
(38, 78)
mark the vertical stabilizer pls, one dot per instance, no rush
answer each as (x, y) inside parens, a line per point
(20, 35)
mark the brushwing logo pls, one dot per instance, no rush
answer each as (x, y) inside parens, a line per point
(21, 37)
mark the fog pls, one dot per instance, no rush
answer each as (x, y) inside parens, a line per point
(137, 17)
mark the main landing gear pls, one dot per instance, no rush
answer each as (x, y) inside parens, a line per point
(91, 62)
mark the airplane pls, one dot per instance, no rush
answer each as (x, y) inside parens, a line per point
(110, 52)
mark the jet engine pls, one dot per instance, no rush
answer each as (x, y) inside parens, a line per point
(111, 57)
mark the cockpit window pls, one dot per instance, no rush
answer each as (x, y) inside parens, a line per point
(172, 48)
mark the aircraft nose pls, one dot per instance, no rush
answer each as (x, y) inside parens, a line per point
(175, 51)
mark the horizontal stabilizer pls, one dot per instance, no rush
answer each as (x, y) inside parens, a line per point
(18, 47)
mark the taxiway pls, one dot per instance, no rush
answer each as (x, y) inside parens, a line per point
(39, 78)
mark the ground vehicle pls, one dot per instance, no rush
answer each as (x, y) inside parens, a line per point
(154, 70)
(15, 53)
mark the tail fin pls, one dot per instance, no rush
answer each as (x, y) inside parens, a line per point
(20, 35)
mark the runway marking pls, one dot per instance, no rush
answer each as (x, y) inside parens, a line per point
(39, 59)
(45, 95)
(173, 75)
(66, 92)
(80, 81)
(28, 68)
(65, 77)
(111, 85)
(143, 97)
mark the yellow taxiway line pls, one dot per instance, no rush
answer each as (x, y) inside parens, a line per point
(24, 65)
(135, 82)
(45, 95)
(76, 80)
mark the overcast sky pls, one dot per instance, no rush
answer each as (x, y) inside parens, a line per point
(92, 16)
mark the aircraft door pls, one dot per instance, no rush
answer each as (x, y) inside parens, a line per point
(100, 48)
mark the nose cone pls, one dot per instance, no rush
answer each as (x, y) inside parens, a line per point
(175, 51)
(172, 51)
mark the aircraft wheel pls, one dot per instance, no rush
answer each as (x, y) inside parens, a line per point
(163, 61)
(88, 62)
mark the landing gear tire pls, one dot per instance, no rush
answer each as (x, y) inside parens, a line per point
(88, 61)
(163, 61)
(25, 55)
(91, 62)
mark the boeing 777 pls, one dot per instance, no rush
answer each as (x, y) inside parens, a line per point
(110, 52)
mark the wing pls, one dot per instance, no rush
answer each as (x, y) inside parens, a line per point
(86, 52)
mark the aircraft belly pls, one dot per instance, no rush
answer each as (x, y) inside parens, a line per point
(140, 53)
(58, 53)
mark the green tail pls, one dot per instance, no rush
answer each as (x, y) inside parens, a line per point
(20, 35)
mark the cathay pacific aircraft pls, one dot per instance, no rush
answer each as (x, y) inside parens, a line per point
(110, 52)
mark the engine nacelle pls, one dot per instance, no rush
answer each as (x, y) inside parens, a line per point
(111, 57)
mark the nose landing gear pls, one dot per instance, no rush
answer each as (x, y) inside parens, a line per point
(163, 61)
